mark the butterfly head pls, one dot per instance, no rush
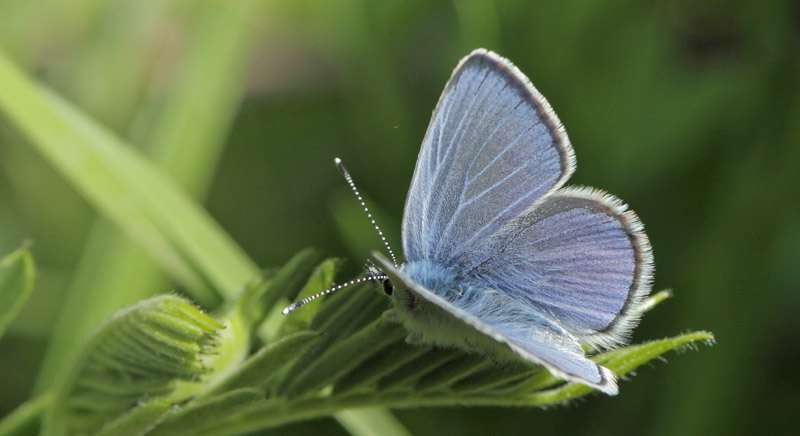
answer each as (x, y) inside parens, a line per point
(380, 277)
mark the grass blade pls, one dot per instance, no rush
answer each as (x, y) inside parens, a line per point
(126, 187)
(183, 131)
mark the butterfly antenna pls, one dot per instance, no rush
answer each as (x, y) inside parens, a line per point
(294, 306)
(349, 179)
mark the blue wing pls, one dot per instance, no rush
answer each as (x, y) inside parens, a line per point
(494, 146)
(578, 256)
(531, 337)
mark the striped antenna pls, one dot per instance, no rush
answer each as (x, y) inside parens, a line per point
(349, 179)
(374, 273)
(294, 306)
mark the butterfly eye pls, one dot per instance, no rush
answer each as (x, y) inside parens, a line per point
(388, 288)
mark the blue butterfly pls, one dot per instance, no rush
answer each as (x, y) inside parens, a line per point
(500, 257)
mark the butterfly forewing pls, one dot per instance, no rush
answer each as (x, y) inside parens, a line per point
(494, 146)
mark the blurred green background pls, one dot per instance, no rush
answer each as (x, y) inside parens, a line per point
(687, 110)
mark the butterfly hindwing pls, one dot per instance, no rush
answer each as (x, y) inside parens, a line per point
(579, 255)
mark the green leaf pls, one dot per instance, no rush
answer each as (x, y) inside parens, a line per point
(209, 411)
(489, 378)
(427, 363)
(138, 353)
(384, 362)
(343, 357)
(234, 345)
(277, 324)
(340, 316)
(627, 359)
(350, 356)
(451, 372)
(138, 421)
(621, 362)
(263, 297)
(16, 284)
(320, 280)
(264, 365)
(426, 378)
(656, 299)
(343, 312)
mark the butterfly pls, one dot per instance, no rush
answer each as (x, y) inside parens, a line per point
(500, 257)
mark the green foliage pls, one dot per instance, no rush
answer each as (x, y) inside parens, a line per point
(138, 197)
(324, 384)
(336, 361)
(127, 378)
